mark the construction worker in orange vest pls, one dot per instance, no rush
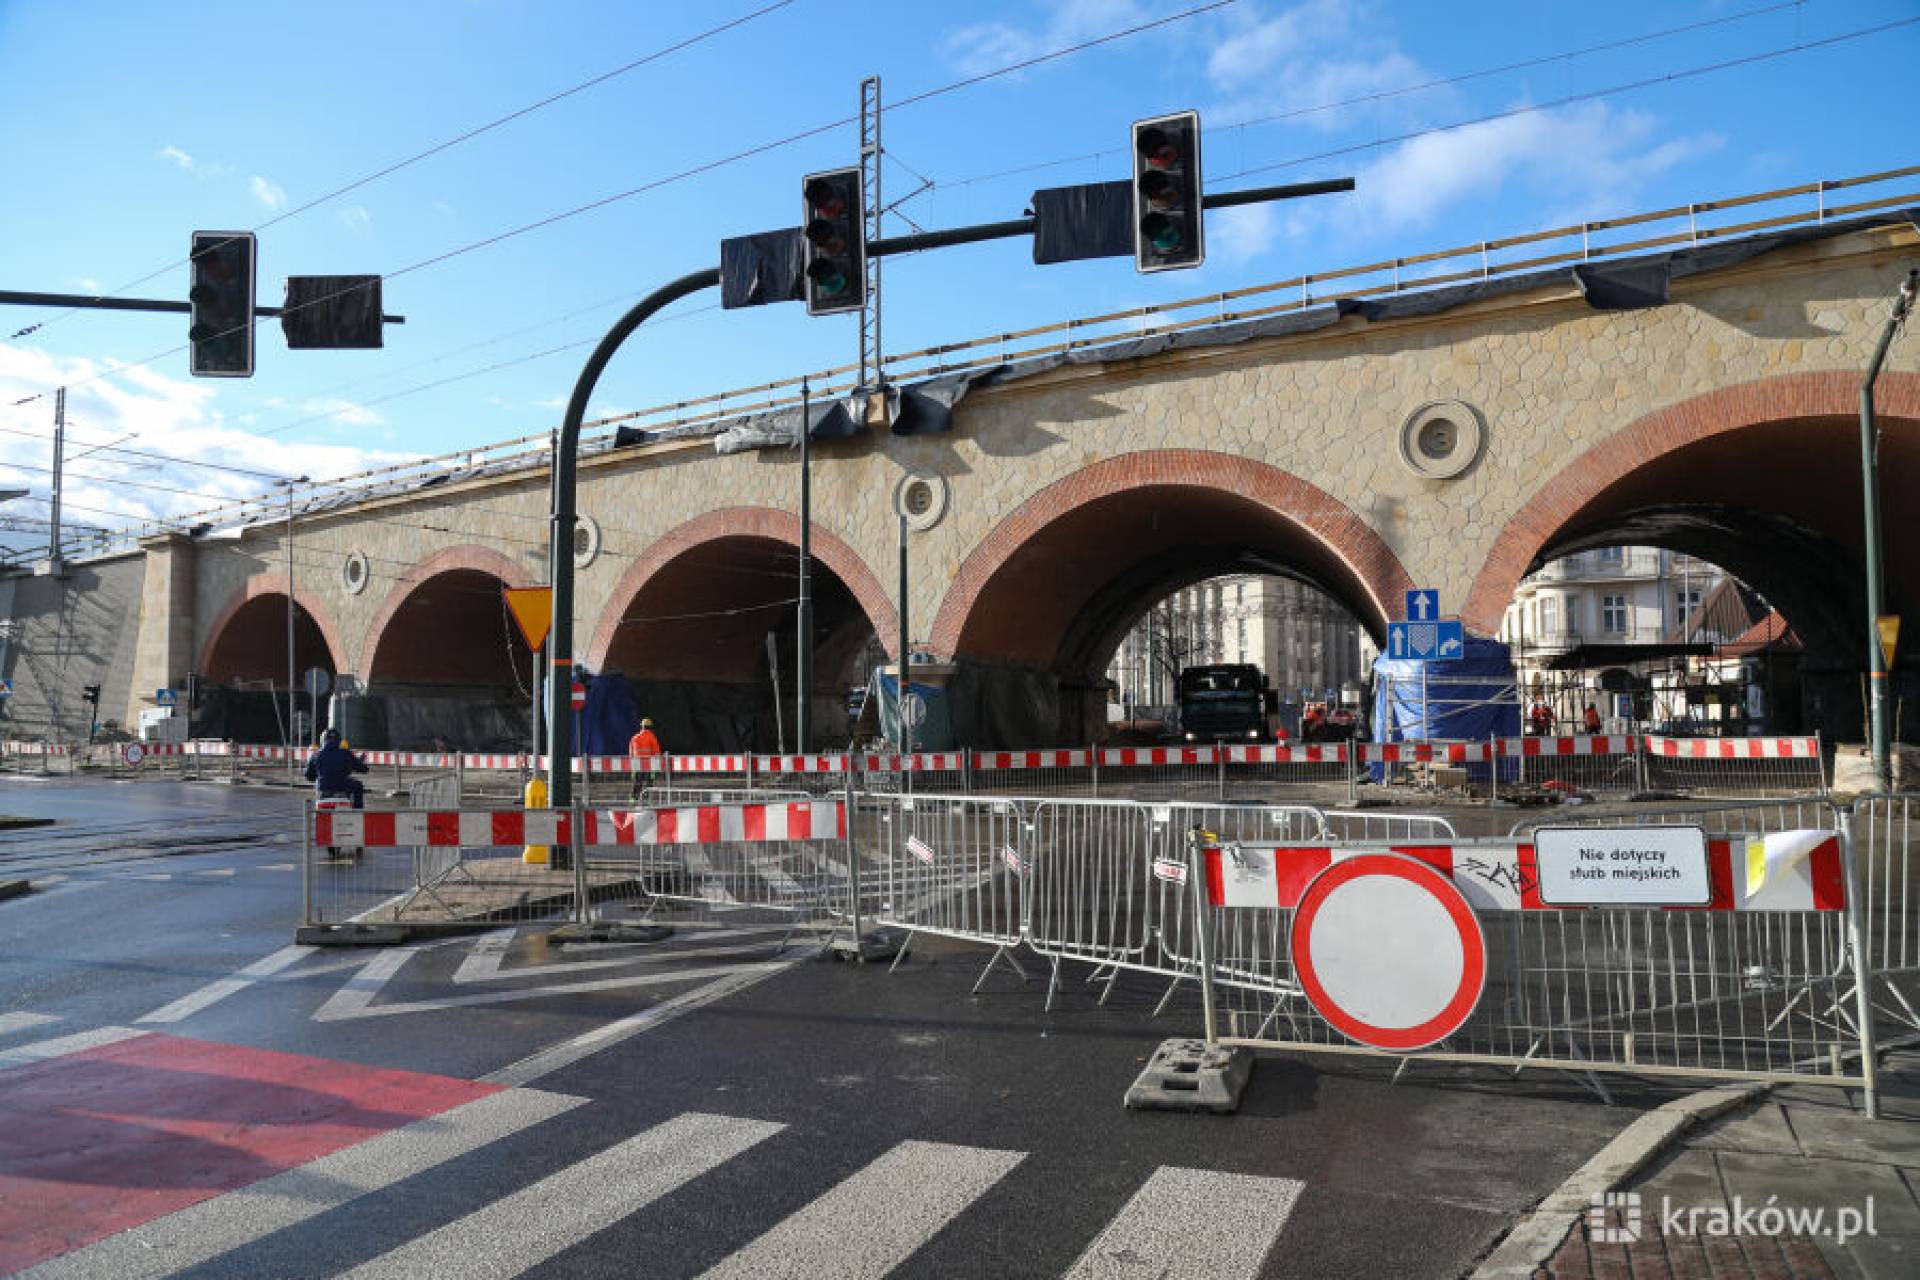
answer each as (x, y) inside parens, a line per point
(645, 742)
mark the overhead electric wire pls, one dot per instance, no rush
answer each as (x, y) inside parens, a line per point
(437, 148)
(1586, 96)
(696, 170)
(1364, 99)
(142, 453)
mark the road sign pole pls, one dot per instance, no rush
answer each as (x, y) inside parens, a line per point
(1870, 508)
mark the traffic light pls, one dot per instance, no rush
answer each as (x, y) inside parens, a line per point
(91, 693)
(835, 224)
(1168, 232)
(222, 296)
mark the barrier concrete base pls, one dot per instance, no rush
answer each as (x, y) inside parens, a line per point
(1186, 1075)
(611, 931)
(875, 944)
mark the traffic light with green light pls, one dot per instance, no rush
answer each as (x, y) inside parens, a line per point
(1168, 233)
(833, 219)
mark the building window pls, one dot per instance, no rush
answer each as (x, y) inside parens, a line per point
(1613, 555)
(1613, 615)
(1549, 615)
(1685, 602)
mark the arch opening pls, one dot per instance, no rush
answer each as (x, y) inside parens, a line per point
(1776, 505)
(449, 670)
(705, 637)
(1038, 642)
(242, 692)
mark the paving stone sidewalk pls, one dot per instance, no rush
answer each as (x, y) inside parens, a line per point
(1798, 1148)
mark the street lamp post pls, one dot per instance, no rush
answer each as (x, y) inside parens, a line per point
(1870, 503)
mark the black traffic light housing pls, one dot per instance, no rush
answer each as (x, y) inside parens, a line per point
(91, 693)
(221, 295)
(1168, 227)
(834, 226)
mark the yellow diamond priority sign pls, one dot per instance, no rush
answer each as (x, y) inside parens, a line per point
(532, 608)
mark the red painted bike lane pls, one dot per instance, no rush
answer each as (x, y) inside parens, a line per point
(108, 1138)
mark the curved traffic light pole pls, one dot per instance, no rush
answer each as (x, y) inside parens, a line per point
(566, 446)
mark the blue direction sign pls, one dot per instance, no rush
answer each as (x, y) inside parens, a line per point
(1427, 641)
(6, 688)
(164, 697)
(1423, 605)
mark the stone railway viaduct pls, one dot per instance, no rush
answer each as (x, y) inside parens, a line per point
(1455, 449)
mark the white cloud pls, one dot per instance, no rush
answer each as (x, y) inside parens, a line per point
(165, 415)
(179, 157)
(354, 218)
(1241, 234)
(1575, 163)
(1262, 46)
(342, 412)
(989, 46)
(267, 192)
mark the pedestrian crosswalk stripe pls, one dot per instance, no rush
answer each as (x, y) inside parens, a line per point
(1192, 1224)
(12, 1022)
(206, 1230)
(900, 1202)
(22, 1055)
(526, 1228)
(214, 992)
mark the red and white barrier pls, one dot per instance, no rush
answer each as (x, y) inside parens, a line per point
(1032, 759)
(512, 828)
(926, 762)
(1132, 757)
(1734, 748)
(1500, 876)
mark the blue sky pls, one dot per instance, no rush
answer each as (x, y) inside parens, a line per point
(129, 125)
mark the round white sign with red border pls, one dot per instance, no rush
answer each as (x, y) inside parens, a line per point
(133, 753)
(1389, 951)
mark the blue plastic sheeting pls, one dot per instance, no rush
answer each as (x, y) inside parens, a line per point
(1469, 697)
(935, 730)
(608, 721)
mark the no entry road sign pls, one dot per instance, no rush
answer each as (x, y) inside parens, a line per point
(1389, 951)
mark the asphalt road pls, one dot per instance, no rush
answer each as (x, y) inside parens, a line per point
(712, 1103)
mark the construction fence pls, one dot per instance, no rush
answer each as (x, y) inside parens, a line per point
(1596, 767)
(1802, 950)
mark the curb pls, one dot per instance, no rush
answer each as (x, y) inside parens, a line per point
(1528, 1246)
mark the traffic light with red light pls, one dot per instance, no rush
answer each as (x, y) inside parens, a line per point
(834, 223)
(1168, 233)
(221, 328)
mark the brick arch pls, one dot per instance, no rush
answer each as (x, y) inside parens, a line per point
(1829, 394)
(744, 522)
(466, 556)
(1327, 521)
(273, 584)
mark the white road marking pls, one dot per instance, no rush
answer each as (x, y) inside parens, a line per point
(188, 1005)
(288, 866)
(193, 1235)
(12, 1022)
(489, 954)
(568, 1052)
(917, 1188)
(354, 998)
(1192, 1224)
(519, 1232)
(22, 1055)
(221, 871)
(351, 1003)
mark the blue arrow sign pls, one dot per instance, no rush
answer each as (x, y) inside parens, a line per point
(1423, 604)
(1426, 641)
